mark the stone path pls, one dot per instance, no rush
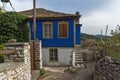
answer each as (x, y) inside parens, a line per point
(35, 74)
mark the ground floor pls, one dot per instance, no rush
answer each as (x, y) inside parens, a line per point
(57, 56)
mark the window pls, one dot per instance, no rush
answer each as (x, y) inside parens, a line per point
(63, 30)
(47, 30)
(53, 54)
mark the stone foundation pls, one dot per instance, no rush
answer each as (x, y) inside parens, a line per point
(107, 69)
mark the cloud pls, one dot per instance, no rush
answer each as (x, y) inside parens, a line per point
(98, 19)
(96, 14)
(19, 5)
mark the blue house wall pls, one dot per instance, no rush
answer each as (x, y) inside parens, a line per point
(55, 41)
(78, 29)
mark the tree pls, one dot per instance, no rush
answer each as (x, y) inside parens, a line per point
(115, 36)
(111, 46)
(13, 26)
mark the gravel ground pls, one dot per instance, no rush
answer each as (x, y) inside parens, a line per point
(82, 74)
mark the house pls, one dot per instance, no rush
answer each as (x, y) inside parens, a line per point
(59, 33)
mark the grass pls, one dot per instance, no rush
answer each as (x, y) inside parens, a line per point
(42, 72)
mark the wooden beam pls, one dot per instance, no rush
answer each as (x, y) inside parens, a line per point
(7, 52)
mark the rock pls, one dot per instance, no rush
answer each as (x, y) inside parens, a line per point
(108, 59)
(107, 69)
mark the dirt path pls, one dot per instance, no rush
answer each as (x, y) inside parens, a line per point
(82, 74)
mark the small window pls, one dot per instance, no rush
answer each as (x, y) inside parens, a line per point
(47, 30)
(63, 30)
(53, 54)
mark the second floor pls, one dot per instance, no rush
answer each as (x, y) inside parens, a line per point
(54, 32)
(54, 29)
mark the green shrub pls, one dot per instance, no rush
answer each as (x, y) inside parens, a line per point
(1, 56)
(1, 47)
(91, 77)
(73, 71)
(42, 72)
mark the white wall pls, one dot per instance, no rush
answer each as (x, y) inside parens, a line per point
(64, 57)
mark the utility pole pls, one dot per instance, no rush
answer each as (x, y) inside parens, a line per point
(106, 30)
(101, 33)
(34, 19)
(34, 32)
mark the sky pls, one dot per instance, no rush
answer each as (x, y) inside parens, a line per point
(96, 14)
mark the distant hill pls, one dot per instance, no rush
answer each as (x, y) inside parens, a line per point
(88, 36)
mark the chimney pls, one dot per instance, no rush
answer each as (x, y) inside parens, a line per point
(77, 13)
(77, 19)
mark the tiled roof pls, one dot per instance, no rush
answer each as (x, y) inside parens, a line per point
(43, 13)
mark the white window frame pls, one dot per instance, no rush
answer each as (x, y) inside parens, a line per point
(54, 55)
(47, 33)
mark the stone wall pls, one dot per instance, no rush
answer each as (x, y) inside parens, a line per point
(17, 66)
(38, 55)
(107, 69)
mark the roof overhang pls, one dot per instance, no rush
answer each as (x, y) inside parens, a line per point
(54, 18)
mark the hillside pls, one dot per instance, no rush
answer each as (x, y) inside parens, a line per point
(96, 37)
(88, 36)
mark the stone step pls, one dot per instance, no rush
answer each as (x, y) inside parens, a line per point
(78, 58)
(78, 52)
(78, 61)
(79, 55)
